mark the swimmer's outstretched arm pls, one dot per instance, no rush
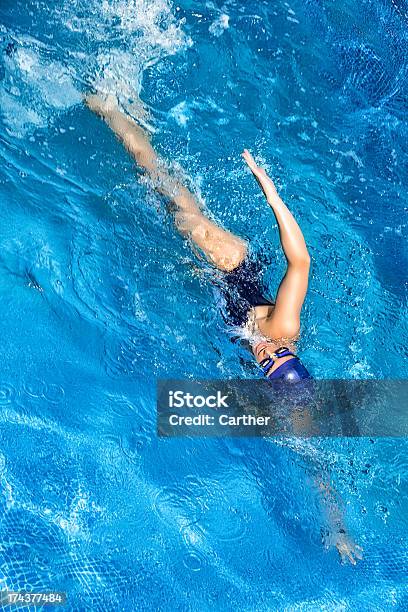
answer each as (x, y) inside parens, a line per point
(336, 534)
(285, 318)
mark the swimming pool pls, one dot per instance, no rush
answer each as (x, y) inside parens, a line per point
(100, 297)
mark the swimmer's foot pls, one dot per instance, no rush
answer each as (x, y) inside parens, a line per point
(102, 104)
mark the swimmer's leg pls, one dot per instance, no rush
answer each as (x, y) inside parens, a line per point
(222, 248)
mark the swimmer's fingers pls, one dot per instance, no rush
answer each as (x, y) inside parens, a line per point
(257, 170)
(345, 554)
(350, 557)
(355, 555)
(249, 160)
(265, 182)
(358, 552)
(350, 553)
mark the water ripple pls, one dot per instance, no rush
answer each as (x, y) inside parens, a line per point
(53, 393)
(7, 393)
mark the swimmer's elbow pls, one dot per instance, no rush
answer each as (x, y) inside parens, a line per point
(300, 262)
(305, 261)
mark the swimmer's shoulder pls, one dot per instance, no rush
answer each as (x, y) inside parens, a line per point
(272, 328)
(258, 329)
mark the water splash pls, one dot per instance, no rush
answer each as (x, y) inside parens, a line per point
(110, 44)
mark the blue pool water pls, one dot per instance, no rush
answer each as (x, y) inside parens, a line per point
(100, 297)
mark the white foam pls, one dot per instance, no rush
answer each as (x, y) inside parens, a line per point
(129, 35)
(32, 86)
(181, 113)
(154, 18)
(219, 25)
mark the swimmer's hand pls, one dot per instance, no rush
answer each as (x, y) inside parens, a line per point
(265, 182)
(349, 551)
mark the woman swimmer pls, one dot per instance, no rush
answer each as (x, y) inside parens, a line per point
(274, 327)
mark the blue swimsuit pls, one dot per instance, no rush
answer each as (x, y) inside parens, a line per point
(243, 290)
